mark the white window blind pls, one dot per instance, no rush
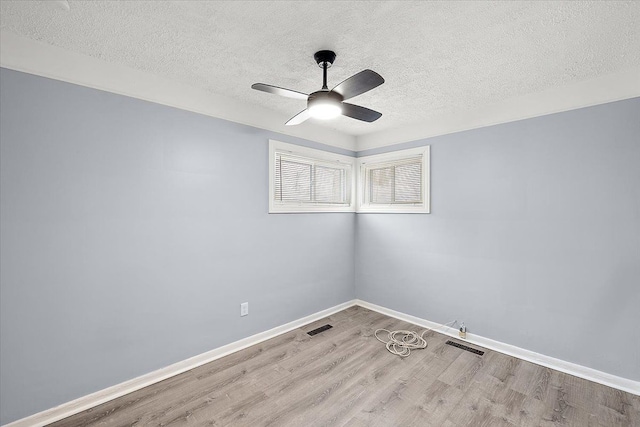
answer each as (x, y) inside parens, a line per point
(395, 182)
(304, 179)
(330, 185)
(399, 183)
(293, 180)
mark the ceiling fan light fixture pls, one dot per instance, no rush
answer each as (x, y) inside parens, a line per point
(325, 111)
(324, 105)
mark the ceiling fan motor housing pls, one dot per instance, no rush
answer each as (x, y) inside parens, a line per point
(324, 96)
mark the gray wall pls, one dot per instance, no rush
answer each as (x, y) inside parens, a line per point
(131, 233)
(533, 239)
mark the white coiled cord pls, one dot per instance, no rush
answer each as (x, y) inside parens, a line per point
(402, 342)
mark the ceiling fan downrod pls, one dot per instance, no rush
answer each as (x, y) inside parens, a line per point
(325, 59)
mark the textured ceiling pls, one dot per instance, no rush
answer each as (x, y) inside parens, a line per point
(436, 57)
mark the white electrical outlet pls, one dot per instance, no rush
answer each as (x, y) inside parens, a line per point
(244, 309)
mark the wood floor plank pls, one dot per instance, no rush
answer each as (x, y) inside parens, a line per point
(380, 372)
(473, 408)
(462, 370)
(346, 377)
(439, 400)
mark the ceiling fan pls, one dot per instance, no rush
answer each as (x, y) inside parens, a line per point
(327, 104)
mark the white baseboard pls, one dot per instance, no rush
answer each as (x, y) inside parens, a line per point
(91, 400)
(580, 371)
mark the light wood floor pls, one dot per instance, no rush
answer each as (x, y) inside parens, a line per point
(345, 377)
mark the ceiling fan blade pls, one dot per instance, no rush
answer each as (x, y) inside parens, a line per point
(298, 118)
(358, 84)
(360, 113)
(280, 91)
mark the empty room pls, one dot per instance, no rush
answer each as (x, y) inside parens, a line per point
(319, 213)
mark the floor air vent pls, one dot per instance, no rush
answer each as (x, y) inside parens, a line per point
(464, 347)
(320, 329)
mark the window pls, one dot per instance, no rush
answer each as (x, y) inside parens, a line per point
(307, 180)
(395, 182)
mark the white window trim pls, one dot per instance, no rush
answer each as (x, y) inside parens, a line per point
(325, 156)
(424, 207)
